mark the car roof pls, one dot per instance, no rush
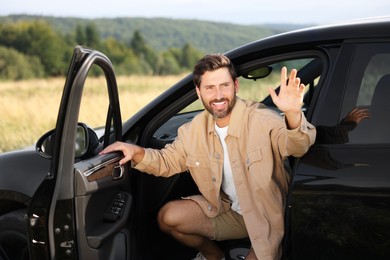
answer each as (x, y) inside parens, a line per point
(375, 27)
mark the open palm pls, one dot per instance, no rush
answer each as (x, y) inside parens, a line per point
(290, 97)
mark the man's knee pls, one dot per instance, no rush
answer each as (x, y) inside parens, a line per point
(168, 217)
(180, 215)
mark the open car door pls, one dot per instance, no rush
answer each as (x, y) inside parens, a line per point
(81, 209)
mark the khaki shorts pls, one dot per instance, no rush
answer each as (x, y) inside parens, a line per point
(229, 225)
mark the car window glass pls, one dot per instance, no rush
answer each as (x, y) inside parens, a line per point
(367, 119)
(377, 67)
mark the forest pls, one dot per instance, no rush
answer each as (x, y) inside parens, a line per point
(39, 47)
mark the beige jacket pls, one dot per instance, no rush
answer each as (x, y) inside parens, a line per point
(258, 142)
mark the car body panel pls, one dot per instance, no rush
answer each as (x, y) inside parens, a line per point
(19, 181)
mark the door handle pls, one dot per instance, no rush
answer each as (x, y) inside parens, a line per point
(117, 172)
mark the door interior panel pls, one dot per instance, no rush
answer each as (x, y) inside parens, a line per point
(102, 204)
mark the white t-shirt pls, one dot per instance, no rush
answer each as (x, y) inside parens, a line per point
(227, 176)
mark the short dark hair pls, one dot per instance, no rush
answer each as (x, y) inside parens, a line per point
(212, 62)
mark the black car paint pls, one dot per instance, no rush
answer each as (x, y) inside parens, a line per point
(21, 174)
(312, 194)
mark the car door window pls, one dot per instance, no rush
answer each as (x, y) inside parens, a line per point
(372, 85)
(342, 184)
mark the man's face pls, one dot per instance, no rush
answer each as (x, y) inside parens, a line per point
(218, 94)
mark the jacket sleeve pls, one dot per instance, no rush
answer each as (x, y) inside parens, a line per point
(299, 140)
(166, 162)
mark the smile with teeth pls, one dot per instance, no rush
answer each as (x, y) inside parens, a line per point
(219, 104)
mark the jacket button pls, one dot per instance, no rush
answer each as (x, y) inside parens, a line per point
(209, 207)
(217, 156)
(214, 179)
(197, 163)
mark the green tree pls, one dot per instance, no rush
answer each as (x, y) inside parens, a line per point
(12, 35)
(189, 56)
(50, 50)
(115, 50)
(123, 58)
(92, 36)
(17, 66)
(36, 39)
(48, 46)
(174, 60)
(168, 64)
(144, 52)
(138, 43)
(81, 37)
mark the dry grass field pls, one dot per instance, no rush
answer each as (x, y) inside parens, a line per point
(29, 108)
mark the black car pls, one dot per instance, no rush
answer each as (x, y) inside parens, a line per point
(64, 201)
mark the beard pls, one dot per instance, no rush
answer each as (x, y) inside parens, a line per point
(219, 114)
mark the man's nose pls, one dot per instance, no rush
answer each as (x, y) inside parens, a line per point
(218, 93)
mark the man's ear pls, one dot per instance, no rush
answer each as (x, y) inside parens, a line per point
(236, 85)
(197, 91)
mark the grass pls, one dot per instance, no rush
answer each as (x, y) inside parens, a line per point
(30, 108)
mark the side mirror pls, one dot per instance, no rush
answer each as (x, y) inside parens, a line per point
(83, 143)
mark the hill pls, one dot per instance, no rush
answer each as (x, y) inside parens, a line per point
(163, 33)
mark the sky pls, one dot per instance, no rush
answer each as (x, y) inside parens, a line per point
(247, 12)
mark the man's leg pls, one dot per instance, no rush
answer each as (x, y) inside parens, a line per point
(186, 222)
(251, 255)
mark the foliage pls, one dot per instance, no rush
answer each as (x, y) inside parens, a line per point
(163, 33)
(36, 39)
(34, 49)
(17, 66)
(172, 46)
(143, 51)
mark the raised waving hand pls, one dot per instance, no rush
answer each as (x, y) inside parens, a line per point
(290, 97)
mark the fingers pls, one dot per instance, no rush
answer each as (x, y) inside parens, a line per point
(362, 114)
(302, 87)
(293, 80)
(124, 160)
(117, 147)
(129, 151)
(283, 77)
(111, 148)
(273, 95)
(358, 114)
(290, 97)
